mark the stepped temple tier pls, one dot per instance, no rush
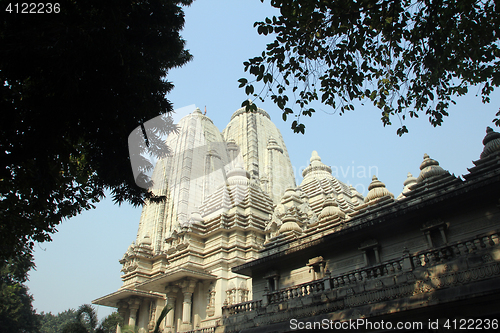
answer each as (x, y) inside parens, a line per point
(237, 246)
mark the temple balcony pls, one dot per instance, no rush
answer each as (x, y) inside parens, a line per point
(435, 278)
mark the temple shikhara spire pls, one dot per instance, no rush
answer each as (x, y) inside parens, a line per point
(238, 246)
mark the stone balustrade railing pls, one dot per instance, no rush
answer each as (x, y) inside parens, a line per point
(448, 252)
(327, 283)
(300, 290)
(407, 262)
(242, 307)
(202, 330)
(387, 268)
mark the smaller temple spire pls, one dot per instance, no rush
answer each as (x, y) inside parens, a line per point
(491, 143)
(238, 175)
(290, 222)
(331, 209)
(377, 190)
(408, 183)
(429, 168)
(316, 167)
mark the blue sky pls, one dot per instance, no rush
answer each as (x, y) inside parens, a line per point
(81, 263)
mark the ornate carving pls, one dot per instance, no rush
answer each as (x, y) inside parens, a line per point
(421, 287)
(410, 277)
(211, 301)
(487, 258)
(152, 315)
(230, 296)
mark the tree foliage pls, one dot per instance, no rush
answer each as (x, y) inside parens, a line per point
(50, 323)
(86, 321)
(16, 311)
(74, 85)
(72, 321)
(74, 327)
(109, 323)
(407, 57)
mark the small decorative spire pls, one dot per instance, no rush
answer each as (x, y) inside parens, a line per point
(314, 157)
(377, 190)
(331, 208)
(408, 183)
(238, 175)
(273, 144)
(491, 143)
(429, 168)
(410, 180)
(290, 222)
(316, 167)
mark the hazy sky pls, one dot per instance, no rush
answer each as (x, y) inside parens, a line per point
(81, 263)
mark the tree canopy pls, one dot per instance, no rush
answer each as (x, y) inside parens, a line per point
(82, 320)
(86, 321)
(408, 57)
(50, 323)
(74, 85)
(16, 312)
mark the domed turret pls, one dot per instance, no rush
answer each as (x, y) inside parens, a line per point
(429, 168)
(316, 168)
(290, 223)
(318, 183)
(491, 142)
(377, 190)
(331, 209)
(408, 183)
(238, 176)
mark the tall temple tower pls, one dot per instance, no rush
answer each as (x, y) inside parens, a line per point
(221, 189)
(263, 149)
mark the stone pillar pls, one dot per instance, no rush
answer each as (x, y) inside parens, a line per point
(133, 305)
(186, 308)
(171, 292)
(265, 297)
(443, 234)
(327, 282)
(187, 291)
(122, 311)
(377, 257)
(428, 236)
(407, 264)
(365, 257)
